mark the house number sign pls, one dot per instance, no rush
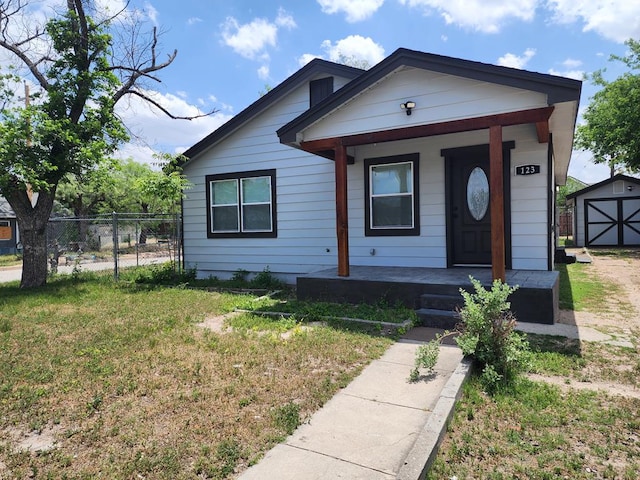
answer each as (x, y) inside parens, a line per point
(527, 169)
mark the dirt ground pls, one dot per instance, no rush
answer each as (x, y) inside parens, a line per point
(622, 312)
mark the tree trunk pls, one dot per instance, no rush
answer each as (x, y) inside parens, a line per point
(32, 223)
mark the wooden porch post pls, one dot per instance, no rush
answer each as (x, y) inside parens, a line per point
(342, 217)
(497, 203)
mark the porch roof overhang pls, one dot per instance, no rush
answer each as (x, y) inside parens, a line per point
(558, 118)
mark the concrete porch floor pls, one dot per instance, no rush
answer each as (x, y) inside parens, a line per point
(535, 301)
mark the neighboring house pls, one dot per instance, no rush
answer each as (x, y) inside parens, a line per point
(337, 169)
(9, 237)
(607, 214)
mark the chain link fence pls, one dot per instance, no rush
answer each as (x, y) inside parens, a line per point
(113, 242)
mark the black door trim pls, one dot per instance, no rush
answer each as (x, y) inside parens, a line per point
(448, 154)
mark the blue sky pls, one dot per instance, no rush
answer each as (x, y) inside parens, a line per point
(228, 50)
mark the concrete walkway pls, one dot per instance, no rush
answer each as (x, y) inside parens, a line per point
(380, 427)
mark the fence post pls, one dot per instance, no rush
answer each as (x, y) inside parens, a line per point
(177, 250)
(115, 245)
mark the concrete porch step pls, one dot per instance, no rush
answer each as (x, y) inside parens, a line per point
(441, 302)
(435, 318)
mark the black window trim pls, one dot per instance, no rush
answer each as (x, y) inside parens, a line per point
(414, 159)
(239, 176)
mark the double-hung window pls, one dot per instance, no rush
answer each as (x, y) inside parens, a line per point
(241, 204)
(391, 190)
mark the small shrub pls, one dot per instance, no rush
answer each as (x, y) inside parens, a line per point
(265, 279)
(239, 278)
(488, 336)
(287, 417)
(426, 357)
(163, 274)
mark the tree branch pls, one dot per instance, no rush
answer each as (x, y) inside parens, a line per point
(156, 104)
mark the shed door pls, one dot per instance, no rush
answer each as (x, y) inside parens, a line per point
(612, 222)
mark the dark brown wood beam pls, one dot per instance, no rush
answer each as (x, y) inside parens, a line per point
(496, 188)
(342, 212)
(542, 128)
(520, 117)
(315, 146)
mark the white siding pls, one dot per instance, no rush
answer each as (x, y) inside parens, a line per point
(529, 202)
(438, 98)
(306, 240)
(305, 200)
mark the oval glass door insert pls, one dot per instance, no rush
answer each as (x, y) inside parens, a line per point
(478, 193)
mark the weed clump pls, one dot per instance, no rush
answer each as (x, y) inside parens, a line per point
(488, 335)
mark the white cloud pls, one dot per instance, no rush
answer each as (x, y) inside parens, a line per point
(479, 15)
(193, 20)
(572, 63)
(616, 20)
(517, 61)
(575, 74)
(571, 69)
(285, 20)
(151, 12)
(354, 48)
(306, 58)
(355, 10)
(152, 128)
(263, 72)
(253, 40)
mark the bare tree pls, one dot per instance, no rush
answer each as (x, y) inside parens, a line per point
(82, 62)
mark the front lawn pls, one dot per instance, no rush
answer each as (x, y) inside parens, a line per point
(577, 418)
(128, 386)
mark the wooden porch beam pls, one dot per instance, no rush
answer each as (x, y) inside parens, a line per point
(323, 144)
(342, 216)
(542, 128)
(496, 188)
(520, 117)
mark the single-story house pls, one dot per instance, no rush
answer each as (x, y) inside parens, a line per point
(9, 237)
(607, 214)
(357, 184)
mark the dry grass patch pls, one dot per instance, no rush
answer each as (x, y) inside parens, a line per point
(135, 389)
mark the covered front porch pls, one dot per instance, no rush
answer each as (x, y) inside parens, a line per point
(535, 301)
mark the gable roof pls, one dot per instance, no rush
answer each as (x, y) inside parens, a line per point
(595, 186)
(315, 67)
(5, 209)
(557, 89)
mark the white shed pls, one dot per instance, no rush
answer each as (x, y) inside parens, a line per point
(607, 214)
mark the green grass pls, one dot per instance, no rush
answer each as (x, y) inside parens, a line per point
(134, 388)
(317, 311)
(536, 431)
(581, 290)
(548, 430)
(10, 260)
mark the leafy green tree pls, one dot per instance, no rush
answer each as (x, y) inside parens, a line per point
(87, 193)
(82, 68)
(612, 119)
(572, 185)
